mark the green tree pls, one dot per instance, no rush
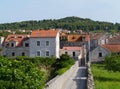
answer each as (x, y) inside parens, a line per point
(20, 74)
(112, 62)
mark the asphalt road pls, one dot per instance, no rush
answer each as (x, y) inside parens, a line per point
(78, 80)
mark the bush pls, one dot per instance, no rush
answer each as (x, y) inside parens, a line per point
(63, 64)
(61, 71)
(112, 62)
(21, 74)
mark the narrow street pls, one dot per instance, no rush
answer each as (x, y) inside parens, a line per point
(78, 80)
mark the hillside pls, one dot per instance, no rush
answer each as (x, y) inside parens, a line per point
(70, 23)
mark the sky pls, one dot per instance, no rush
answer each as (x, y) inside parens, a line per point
(24, 10)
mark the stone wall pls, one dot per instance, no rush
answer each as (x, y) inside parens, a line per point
(90, 80)
(58, 81)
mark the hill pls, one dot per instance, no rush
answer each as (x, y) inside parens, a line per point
(70, 23)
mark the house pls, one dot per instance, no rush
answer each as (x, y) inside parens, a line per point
(75, 40)
(99, 53)
(98, 39)
(44, 43)
(75, 51)
(1, 41)
(113, 40)
(16, 45)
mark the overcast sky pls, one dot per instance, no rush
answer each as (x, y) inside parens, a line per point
(22, 10)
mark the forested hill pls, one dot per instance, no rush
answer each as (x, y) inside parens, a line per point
(70, 23)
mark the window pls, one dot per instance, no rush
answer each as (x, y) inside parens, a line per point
(73, 54)
(26, 44)
(38, 43)
(38, 53)
(13, 54)
(47, 43)
(66, 52)
(12, 44)
(47, 53)
(19, 36)
(23, 54)
(100, 54)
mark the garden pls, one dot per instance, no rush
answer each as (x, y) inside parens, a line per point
(107, 74)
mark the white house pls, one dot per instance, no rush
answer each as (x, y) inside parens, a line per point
(44, 43)
(16, 45)
(73, 51)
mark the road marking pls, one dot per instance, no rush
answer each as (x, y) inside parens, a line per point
(80, 78)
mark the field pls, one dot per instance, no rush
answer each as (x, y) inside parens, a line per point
(105, 79)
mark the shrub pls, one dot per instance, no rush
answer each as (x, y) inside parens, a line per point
(21, 74)
(61, 71)
(63, 64)
(112, 62)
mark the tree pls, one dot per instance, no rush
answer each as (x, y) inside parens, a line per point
(112, 62)
(20, 74)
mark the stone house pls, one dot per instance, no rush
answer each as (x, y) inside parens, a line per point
(16, 45)
(99, 53)
(44, 43)
(98, 39)
(75, 52)
(113, 40)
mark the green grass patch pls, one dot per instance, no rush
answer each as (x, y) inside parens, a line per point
(105, 79)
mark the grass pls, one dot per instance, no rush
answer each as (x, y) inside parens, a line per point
(105, 79)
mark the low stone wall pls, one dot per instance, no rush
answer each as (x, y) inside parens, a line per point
(59, 81)
(90, 80)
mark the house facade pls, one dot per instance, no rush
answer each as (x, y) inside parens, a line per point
(75, 52)
(16, 45)
(99, 53)
(98, 39)
(44, 43)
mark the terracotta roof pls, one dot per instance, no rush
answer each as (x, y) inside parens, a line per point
(16, 38)
(44, 33)
(87, 37)
(74, 38)
(63, 35)
(72, 48)
(112, 48)
(77, 37)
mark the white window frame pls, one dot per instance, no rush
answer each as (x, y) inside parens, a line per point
(48, 53)
(48, 43)
(12, 44)
(13, 54)
(39, 53)
(37, 43)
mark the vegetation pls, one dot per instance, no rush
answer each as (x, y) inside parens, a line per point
(20, 74)
(70, 23)
(105, 79)
(31, 73)
(63, 64)
(112, 62)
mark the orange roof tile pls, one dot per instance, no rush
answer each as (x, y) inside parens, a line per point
(44, 33)
(63, 35)
(16, 38)
(72, 48)
(112, 48)
(74, 38)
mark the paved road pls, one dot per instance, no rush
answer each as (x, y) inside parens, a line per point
(77, 80)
